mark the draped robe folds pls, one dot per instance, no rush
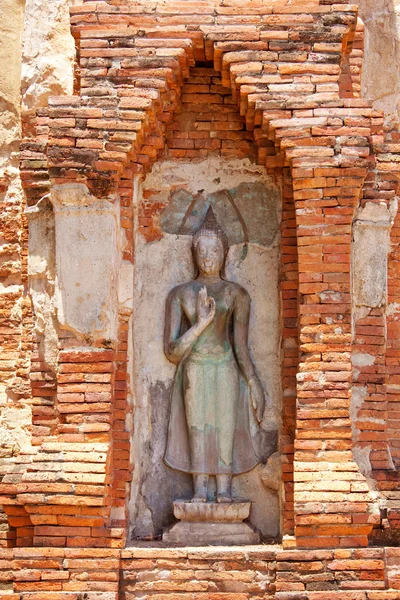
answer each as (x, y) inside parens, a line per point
(212, 426)
(178, 455)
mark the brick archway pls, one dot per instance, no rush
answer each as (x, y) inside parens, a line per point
(283, 68)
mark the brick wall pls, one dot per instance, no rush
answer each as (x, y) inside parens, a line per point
(208, 120)
(248, 573)
(206, 123)
(277, 85)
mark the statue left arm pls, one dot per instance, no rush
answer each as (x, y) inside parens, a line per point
(241, 317)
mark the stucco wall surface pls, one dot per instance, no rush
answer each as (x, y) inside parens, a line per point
(381, 76)
(47, 55)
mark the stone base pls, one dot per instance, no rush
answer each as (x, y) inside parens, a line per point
(188, 533)
(210, 523)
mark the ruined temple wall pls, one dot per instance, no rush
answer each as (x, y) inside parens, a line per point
(57, 573)
(36, 60)
(249, 573)
(47, 69)
(48, 52)
(15, 416)
(208, 153)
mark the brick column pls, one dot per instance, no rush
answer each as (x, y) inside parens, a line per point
(329, 159)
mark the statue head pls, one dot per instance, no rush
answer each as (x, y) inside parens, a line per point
(210, 246)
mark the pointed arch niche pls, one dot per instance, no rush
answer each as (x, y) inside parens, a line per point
(210, 158)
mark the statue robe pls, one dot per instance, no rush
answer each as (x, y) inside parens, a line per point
(227, 438)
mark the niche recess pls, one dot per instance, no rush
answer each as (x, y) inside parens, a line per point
(210, 159)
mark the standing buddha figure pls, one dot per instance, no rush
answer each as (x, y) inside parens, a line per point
(217, 398)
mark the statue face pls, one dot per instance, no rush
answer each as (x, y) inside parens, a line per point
(210, 255)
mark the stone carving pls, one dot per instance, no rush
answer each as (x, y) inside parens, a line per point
(201, 524)
(247, 210)
(217, 398)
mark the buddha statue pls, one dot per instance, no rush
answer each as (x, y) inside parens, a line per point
(217, 398)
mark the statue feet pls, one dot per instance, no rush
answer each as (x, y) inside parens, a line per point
(223, 499)
(197, 498)
(224, 488)
(200, 488)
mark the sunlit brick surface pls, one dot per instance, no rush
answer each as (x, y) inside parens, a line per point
(283, 81)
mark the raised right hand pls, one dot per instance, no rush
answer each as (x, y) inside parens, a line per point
(205, 309)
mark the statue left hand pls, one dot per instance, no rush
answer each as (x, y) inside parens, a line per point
(257, 398)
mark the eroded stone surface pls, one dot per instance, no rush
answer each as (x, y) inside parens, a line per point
(380, 77)
(87, 260)
(11, 15)
(248, 211)
(370, 253)
(42, 275)
(48, 54)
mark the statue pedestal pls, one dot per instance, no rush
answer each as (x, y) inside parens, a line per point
(211, 523)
